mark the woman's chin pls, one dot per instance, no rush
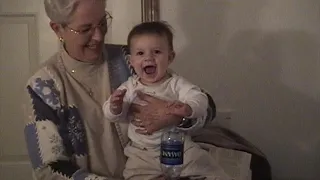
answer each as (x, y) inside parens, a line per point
(93, 54)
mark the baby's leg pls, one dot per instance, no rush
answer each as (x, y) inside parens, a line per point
(142, 163)
(198, 162)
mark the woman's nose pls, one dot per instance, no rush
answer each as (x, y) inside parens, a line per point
(97, 35)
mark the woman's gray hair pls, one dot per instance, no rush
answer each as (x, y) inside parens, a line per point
(60, 11)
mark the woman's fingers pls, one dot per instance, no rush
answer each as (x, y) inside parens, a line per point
(137, 123)
(141, 128)
(144, 127)
(142, 124)
(143, 131)
(135, 109)
(145, 97)
(139, 111)
(154, 116)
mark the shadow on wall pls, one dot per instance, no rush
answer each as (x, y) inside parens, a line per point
(197, 56)
(263, 75)
(283, 120)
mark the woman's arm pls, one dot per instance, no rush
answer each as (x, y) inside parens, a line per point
(46, 148)
(155, 115)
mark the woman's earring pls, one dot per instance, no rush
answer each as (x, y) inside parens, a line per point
(61, 39)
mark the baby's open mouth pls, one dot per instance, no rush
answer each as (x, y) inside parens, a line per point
(150, 69)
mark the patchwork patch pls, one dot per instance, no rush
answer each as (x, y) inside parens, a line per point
(64, 168)
(31, 135)
(94, 177)
(47, 91)
(80, 175)
(50, 142)
(42, 111)
(76, 131)
(84, 175)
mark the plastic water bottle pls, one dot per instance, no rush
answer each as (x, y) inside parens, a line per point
(171, 153)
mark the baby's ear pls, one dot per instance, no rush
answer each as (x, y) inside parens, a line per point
(172, 55)
(129, 58)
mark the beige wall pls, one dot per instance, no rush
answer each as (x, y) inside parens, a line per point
(125, 14)
(260, 59)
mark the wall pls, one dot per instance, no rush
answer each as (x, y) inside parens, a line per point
(125, 14)
(259, 59)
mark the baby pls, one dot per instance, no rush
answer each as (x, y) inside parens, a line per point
(151, 53)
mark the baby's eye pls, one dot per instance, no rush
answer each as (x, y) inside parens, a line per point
(157, 51)
(140, 53)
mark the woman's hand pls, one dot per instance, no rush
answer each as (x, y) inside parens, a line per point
(180, 109)
(153, 116)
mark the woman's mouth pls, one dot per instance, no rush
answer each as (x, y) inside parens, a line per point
(93, 46)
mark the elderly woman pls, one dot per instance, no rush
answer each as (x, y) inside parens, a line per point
(66, 134)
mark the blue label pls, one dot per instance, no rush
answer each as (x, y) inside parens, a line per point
(171, 153)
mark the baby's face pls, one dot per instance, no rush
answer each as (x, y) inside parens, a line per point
(150, 57)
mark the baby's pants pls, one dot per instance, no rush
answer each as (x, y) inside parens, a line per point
(144, 163)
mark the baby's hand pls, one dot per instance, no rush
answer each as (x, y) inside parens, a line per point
(116, 101)
(180, 109)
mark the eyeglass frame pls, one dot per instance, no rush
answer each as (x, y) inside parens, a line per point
(107, 16)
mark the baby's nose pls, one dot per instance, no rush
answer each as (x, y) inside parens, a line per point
(149, 57)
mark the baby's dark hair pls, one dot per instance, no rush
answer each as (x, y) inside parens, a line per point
(160, 28)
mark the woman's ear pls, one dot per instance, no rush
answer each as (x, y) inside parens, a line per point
(56, 28)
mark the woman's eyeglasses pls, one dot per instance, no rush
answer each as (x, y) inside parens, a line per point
(103, 27)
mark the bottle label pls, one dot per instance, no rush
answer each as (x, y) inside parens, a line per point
(171, 153)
